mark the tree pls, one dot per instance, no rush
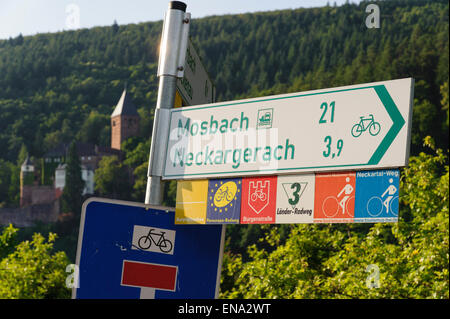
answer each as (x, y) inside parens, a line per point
(7, 241)
(52, 82)
(137, 159)
(73, 189)
(115, 27)
(5, 178)
(32, 270)
(23, 153)
(335, 261)
(140, 182)
(445, 102)
(94, 123)
(111, 178)
(9, 184)
(56, 85)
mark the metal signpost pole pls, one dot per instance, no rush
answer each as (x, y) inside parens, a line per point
(170, 67)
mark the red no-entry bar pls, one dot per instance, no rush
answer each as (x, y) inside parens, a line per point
(140, 274)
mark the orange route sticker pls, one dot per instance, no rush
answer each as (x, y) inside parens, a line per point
(334, 197)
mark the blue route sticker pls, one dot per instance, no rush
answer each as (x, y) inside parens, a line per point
(224, 201)
(376, 196)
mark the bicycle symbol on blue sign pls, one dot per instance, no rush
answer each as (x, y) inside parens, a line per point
(153, 239)
(146, 241)
(376, 205)
(377, 194)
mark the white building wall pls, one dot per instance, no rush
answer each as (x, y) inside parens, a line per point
(60, 178)
(87, 176)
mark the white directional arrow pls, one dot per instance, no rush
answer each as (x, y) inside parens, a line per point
(354, 127)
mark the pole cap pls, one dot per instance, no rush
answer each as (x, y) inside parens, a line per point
(177, 5)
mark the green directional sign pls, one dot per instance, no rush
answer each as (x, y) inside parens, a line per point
(397, 119)
(355, 127)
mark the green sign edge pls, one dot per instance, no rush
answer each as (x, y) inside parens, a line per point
(397, 119)
(383, 95)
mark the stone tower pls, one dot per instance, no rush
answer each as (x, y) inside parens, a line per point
(26, 182)
(124, 121)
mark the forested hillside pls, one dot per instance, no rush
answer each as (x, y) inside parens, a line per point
(52, 82)
(64, 86)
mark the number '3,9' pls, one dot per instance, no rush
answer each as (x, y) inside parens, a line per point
(329, 147)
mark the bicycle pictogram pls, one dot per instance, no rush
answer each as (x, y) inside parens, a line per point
(378, 204)
(258, 193)
(224, 194)
(331, 207)
(366, 123)
(333, 204)
(258, 196)
(158, 239)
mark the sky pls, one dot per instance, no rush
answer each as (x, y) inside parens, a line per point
(29, 17)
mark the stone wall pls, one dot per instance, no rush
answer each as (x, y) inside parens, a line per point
(36, 194)
(42, 194)
(30, 215)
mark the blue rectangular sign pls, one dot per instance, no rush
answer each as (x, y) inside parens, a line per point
(377, 194)
(131, 250)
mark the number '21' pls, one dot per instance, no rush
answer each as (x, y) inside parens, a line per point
(324, 106)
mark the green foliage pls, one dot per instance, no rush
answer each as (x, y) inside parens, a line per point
(72, 194)
(136, 158)
(32, 271)
(111, 178)
(96, 129)
(140, 182)
(170, 195)
(445, 102)
(55, 85)
(330, 261)
(9, 184)
(64, 86)
(136, 152)
(5, 179)
(7, 240)
(23, 153)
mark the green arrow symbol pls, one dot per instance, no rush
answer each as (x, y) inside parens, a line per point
(397, 119)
